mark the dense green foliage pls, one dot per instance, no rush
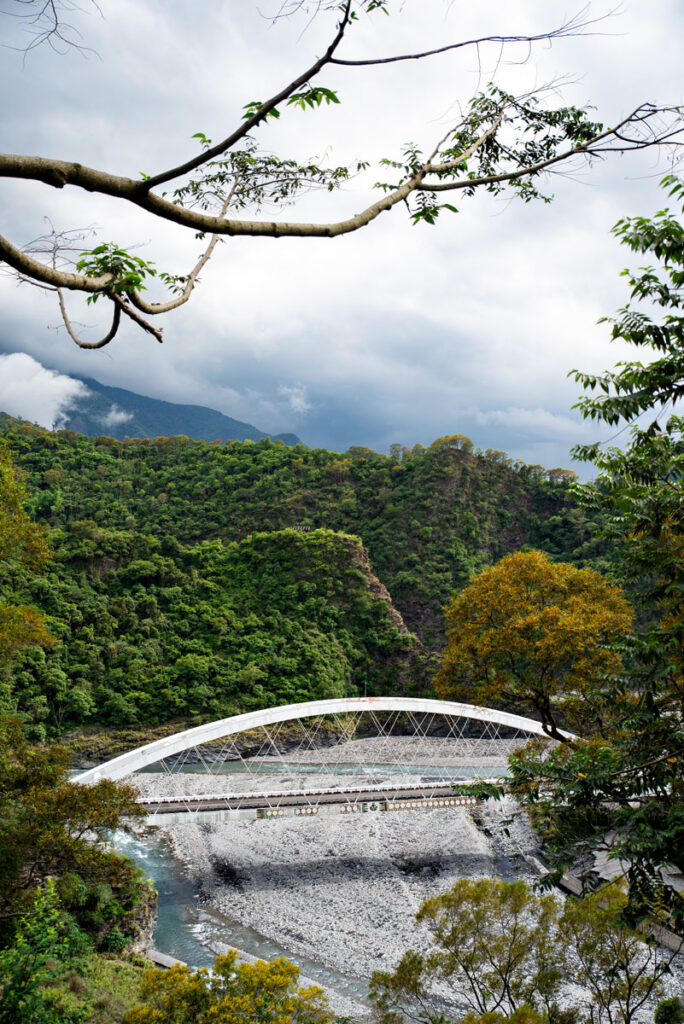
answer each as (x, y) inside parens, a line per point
(47, 824)
(40, 954)
(629, 779)
(22, 544)
(103, 987)
(178, 586)
(65, 897)
(60, 893)
(150, 630)
(48, 975)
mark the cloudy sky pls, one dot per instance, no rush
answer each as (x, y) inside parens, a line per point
(396, 333)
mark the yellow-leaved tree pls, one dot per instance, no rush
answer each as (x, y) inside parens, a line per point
(534, 634)
(231, 993)
(22, 542)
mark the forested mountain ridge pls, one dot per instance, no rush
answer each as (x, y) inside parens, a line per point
(195, 579)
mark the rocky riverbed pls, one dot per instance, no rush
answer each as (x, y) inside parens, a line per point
(343, 892)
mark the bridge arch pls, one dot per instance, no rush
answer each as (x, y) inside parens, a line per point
(169, 746)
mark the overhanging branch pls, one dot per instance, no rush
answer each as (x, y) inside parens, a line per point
(116, 319)
(33, 269)
(260, 115)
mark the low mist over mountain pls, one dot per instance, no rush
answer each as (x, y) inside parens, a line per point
(56, 401)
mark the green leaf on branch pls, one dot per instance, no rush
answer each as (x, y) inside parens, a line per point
(128, 272)
(313, 97)
(253, 108)
(481, 789)
(430, 212)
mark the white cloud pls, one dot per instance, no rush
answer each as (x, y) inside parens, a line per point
(115, 416)
(397, 332)
(30, 391)
(536, 423)
(296, 398)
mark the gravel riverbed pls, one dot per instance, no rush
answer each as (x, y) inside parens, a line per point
(343, 892)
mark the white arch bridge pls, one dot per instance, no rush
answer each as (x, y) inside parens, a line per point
(345, 756)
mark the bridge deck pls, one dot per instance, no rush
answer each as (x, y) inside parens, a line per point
(220, 806)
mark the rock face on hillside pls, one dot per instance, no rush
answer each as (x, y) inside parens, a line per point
(145, 921)
(378, 590)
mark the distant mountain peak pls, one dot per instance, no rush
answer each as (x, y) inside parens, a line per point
(119, 413)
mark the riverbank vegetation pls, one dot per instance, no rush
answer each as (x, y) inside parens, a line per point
(50, 975)
(69, 905)
(233, 992)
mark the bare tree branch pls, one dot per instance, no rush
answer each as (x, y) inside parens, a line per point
(153, 308)
(116, 319)
(120, 306)
(261, 114)
(44, 22)
(574, 26)
(156, 332)
(33, 269)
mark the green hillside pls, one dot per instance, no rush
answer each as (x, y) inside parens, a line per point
(194, 579)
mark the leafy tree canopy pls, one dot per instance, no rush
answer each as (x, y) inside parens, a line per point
(505, 954)
(41, 953)
(623, 789)
(47, 828)
(231, 993)
(535, 634)
(22, 543)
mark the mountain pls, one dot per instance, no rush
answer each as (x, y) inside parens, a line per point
(119, 413)
(192, 579)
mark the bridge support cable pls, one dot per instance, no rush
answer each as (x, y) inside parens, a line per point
(322, 757)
